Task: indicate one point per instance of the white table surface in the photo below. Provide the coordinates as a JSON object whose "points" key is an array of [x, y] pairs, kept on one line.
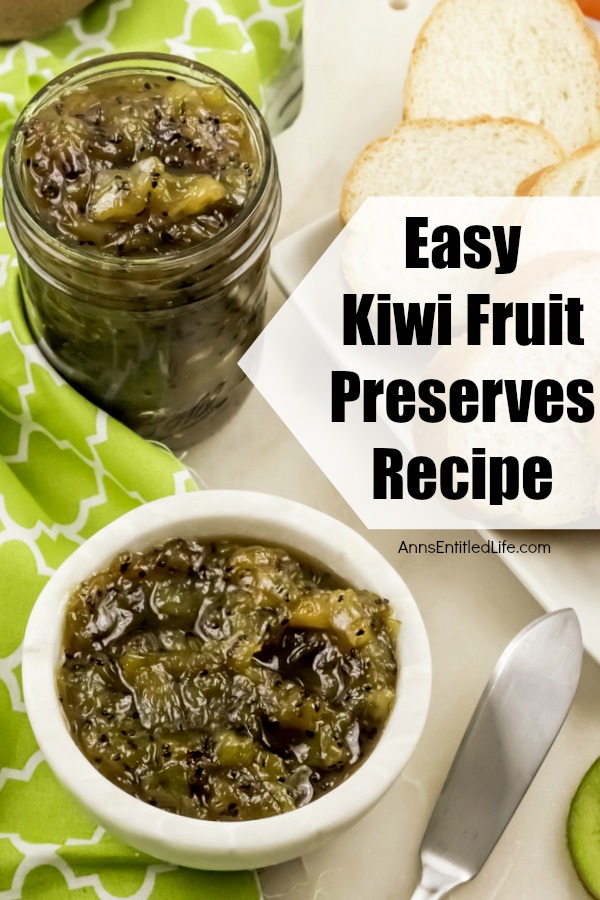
{"points": [[472, 605]]}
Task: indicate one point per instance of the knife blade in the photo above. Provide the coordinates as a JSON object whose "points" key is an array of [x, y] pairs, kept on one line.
{"points": [[512, 729]]}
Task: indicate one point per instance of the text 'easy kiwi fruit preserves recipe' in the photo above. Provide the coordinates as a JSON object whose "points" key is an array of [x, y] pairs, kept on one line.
{"points": [[141, 193]]}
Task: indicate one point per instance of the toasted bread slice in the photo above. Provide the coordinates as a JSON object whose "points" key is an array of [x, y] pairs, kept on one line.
{"points": [[576, 176], [532, 59], [480, 157]]}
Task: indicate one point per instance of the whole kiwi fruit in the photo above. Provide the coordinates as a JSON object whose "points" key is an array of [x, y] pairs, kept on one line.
{"points": [[32, 18]]}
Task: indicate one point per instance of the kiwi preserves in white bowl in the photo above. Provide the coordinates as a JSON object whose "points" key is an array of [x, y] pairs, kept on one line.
{"points": [[249, 519]]}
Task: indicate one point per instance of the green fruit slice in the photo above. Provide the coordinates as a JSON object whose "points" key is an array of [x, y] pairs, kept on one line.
{"points": [[583, 830]]}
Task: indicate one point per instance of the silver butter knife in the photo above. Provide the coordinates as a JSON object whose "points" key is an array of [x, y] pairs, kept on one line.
{"points": [[512, 729]]}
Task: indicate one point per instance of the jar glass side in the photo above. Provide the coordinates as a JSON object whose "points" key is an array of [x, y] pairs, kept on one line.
{"points": [[172, 375]]}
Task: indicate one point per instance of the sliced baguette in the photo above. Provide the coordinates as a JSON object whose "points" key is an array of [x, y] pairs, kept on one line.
{"points": [[576, 176], [531, 59], [480, 157]]}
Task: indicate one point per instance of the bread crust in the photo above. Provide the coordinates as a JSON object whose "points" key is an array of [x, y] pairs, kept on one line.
{"points": [[347, 187], [536, 184], [527, 185]]}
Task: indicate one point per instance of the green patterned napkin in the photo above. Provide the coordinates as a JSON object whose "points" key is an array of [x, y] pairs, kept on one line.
{"points": [[67, 469]]}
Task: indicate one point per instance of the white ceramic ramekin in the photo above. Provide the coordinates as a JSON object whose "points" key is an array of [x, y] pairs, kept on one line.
{"points": [[228, 845]]}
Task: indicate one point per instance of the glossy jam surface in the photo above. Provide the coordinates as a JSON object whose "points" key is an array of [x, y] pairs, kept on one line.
{"points": [[139, 164], [223, 681]]}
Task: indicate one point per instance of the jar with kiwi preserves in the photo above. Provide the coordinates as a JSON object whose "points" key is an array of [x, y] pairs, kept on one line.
{"points": [[141, 193]]}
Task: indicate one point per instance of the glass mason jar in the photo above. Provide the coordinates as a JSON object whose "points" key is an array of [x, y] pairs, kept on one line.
{"points": [[154, 340]]}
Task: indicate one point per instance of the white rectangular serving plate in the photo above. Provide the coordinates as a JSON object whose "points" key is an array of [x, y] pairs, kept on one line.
{"points": [[567, 576]]}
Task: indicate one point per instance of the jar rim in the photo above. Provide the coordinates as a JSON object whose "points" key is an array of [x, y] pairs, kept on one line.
{"points": [[123, 62]]}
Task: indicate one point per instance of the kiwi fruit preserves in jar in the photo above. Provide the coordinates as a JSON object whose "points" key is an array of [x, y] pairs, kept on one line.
{"points": [[141, 193]]}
